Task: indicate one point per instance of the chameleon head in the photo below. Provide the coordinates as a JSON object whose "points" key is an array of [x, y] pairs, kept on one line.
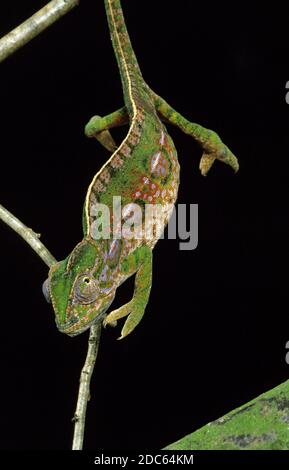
{"points": [[76, 291]]}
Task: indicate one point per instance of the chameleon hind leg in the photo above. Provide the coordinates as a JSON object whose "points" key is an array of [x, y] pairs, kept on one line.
{"points": [[98, 127], [213, 147], [141, 262]]}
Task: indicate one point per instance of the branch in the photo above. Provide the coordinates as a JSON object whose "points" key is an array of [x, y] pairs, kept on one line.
{"points": [[34, 26], [28, 235], [32, 239], [84, 386], [261, 424], [8, 45]]}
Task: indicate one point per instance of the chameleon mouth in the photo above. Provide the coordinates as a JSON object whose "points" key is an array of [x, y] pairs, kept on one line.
{"points": [[76, 326]]}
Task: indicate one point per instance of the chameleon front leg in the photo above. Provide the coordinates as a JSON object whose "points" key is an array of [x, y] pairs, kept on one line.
{"points": [[141, 262], [98, 127], [211, 143]]}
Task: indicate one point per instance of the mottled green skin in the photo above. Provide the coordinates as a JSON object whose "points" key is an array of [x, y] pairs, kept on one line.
{"points": [[142, 169], [261, 424]]}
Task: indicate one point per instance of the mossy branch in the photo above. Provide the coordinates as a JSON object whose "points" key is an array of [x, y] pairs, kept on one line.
{"points": [[261, 424]]}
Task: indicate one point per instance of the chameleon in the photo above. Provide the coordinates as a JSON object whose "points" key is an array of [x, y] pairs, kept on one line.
{"points": [[142, 170]]}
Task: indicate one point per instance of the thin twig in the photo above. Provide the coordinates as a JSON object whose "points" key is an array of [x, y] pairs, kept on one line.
{"points": [[32, 239], [84, 386], [28, 235], [34, 25], [8, 45]]}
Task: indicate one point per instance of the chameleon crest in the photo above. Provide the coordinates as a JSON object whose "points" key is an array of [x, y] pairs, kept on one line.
{"points": [[143, 170]]}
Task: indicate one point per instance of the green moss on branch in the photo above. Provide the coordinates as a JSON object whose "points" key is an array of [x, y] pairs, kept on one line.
{"points": [[261, 424]]}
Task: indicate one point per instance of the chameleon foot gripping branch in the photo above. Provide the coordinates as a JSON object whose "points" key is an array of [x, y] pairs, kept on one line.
{"points": [[142, 170]]}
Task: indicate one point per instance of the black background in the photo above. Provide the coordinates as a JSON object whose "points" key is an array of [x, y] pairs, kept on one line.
{"points": [[214, 333]]}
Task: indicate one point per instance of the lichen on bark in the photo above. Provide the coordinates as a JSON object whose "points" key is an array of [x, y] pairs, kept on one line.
{"points": [[261, 424]]}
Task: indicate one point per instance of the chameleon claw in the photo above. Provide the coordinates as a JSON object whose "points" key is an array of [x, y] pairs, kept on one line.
{"points": [[112, 323], [206, 163], [226, 156], [223, 154], [104, 137], [123, 334], [106, 140]]}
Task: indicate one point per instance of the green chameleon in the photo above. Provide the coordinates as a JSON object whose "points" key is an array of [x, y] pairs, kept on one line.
{"points": [[142, 170]]}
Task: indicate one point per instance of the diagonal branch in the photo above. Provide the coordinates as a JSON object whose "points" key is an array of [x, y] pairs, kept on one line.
{"points": [[8, 45], [28, 235], [32, 239], [34, 25]]}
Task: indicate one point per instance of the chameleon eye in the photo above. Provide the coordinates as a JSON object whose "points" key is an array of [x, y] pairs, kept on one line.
{"points": [[86, 289], [46, 290]]}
